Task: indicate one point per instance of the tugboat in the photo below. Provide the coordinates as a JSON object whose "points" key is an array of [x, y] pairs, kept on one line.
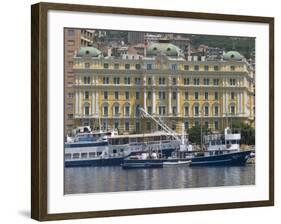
{"points": [[221, 150]]}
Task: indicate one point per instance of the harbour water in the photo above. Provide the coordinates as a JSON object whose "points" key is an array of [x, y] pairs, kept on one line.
{"points": [[115, 179]]}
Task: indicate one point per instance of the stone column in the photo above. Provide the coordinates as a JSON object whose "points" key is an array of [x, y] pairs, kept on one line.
{"points": [[153, 101], [76, 102], [144, 99], [178, 102], [80, 109], [226, 103], [97, 103], [93, 103], [170, 102]]}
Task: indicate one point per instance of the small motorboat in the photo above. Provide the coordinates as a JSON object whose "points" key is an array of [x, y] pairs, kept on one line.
{"points": [[176, 163]]}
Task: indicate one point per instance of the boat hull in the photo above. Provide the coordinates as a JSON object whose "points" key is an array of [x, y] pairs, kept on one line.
{"points": [[94, 162], [229, 159], [146, 165]]}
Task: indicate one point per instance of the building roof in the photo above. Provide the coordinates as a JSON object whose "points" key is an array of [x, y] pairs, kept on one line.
{"points": [[163, 48], [88, 51], [233, 55]]}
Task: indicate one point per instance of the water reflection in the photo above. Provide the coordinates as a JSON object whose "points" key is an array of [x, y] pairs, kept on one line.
{"points": [[112, 179]]}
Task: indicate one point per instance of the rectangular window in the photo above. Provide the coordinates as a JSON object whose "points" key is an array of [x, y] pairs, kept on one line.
{"points": [[148, 95], [137, 126], [232, 68], [105, 80], [116, 66], [149, 81], [174, 66], [138, 66], [127, 111], [196, 81], [206, 95], [116, 80], [86, 95], [137, 95], [216, 111], [216, 125], [186, 81], [127, 126], [216, 67], [186, 67], [216, 96], [161, 81], [105, 66], [174, 110], [232, 96], [196, 67], [116, 110], [206, 124], [127, 95], [206, 81], [232, 110], [149, 66], [116, 95], [196, 96], [162, 110], [105, 111], [206, 68], [116, 124], [174, 81], [174, 95], [149, 109], [232, 82], [186, 95], [127, 80], [105, 95], [186, 110], [87, 65], [216, 82], [196, 110], [161, 95], [186, 125], [137, 81], [127, 66], [206, 111]]}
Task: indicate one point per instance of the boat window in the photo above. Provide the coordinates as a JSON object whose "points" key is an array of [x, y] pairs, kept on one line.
{"points": [[84, 155], [92, 154], [114, 151], [121, 150], [67, 156], [99, 153], [75, 155]]}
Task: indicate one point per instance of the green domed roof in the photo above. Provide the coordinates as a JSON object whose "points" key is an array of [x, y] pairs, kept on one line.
{"points": [[88, 51], [163, 48], [233, 55]]}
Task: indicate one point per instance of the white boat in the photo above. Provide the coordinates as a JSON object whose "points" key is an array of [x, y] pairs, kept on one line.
{"points": [[176, 163]]}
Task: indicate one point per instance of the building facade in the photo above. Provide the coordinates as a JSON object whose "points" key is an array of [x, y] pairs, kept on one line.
{"points": [[73, 39], [108, 91]]}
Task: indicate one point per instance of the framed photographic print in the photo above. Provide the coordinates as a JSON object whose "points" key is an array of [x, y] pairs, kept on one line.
{"points": [[140, 111]]}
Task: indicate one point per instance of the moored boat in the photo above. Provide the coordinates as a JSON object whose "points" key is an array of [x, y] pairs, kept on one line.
{"points": [[221, 150], [176, 163]]}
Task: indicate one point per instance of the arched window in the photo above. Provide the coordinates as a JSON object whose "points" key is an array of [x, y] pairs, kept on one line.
{"points": [[86, 109]]}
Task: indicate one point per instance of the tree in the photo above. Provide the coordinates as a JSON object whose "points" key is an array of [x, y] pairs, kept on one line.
{"points": [[247, 132], [194, 134]]}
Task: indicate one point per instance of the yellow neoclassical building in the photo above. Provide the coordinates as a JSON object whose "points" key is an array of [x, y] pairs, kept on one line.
{"points": [[109, 90]]}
